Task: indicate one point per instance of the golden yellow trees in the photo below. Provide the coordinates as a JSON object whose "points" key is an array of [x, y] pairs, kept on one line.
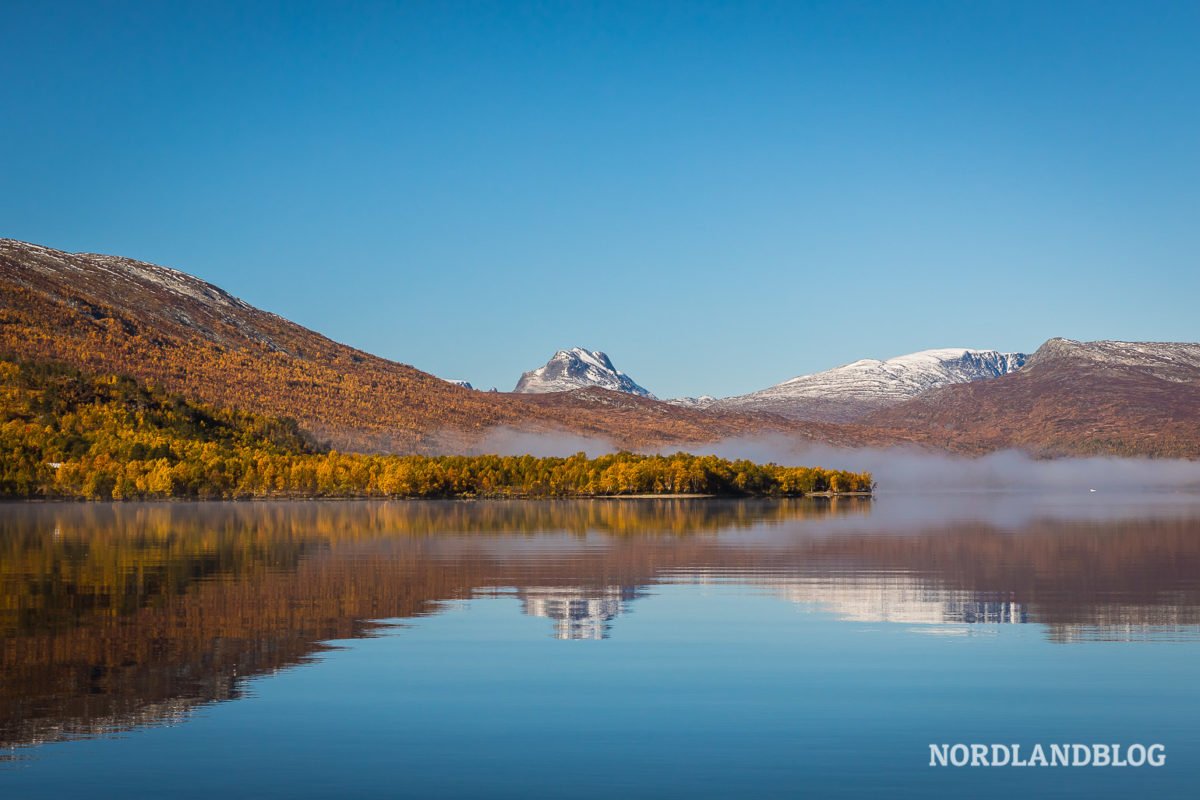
{"points": [[63, 434]]}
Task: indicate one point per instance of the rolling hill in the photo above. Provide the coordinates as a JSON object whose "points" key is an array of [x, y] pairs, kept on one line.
{"points": [[107, 314]]}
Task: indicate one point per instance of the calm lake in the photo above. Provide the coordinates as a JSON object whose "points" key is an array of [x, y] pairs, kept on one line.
{"points": [[604, 648]]}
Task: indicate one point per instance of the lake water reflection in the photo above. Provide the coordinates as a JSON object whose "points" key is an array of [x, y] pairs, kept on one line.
{"points": [[652, 648]]}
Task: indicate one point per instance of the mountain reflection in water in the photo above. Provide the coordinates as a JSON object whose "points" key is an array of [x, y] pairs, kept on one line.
{"points": [[119, 616]]}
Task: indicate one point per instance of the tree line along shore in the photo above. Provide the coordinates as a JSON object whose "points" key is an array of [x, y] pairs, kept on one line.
{"points": [[65, 434]]}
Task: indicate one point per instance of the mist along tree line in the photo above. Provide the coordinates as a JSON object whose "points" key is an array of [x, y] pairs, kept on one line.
{"points": [[66, 434]]}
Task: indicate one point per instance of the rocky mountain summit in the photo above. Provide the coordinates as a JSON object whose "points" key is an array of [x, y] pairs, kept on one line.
{"points": [[578, 368], [1171, 361]]}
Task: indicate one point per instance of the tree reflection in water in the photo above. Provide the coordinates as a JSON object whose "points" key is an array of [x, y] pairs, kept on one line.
{"points": [[118, 616]]}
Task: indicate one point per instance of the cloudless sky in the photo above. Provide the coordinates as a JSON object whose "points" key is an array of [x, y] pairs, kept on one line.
{"points": [[719, 195]]}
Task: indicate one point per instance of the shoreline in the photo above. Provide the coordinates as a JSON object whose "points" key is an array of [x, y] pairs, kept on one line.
{"points": [[376, 498]]}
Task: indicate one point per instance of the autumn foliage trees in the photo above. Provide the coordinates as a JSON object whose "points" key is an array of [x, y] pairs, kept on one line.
{"points": [[65, 434]]}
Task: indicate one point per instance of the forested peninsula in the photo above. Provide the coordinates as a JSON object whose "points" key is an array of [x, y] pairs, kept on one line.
{"points": [[65, 434]]}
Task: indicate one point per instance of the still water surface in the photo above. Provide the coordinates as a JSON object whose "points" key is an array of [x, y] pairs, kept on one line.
{"points": [[563, 649]]}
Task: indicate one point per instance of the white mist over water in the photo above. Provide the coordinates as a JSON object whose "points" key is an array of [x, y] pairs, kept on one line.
{"points": [[913, 469]]}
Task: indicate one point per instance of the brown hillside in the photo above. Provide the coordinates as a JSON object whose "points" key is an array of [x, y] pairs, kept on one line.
{"points": [[111, 314]]}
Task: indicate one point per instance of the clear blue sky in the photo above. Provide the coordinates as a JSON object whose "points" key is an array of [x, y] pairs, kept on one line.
{"points": [[719, 195]]}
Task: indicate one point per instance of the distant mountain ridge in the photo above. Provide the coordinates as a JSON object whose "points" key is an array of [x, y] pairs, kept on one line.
{"points": [[842, 394], [577, 368], [1072, 398], [851, 391]]}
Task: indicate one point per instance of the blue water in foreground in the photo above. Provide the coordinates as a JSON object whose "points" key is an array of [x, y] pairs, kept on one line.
{"points": [[657, 649]]}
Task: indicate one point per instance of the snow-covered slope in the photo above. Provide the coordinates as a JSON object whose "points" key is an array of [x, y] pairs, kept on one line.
{"points": [[703, 401], [848, 392], [578, 368]]}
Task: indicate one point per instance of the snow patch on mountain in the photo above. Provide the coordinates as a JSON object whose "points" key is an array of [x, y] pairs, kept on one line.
{"points": [[703, 401], [171, 280], [578, 368]]}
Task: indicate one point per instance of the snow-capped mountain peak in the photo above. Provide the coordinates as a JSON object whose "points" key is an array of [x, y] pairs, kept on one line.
{"points": [[919, 371], [578, 368], [849, 391]]}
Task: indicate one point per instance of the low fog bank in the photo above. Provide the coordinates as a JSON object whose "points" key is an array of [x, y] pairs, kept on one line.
{"points": [[890, 513], [511, 442], [901, 469], [910, 469]]}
